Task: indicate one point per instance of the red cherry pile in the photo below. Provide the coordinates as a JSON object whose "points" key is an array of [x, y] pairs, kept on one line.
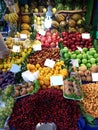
{"points": [[45, 106]]}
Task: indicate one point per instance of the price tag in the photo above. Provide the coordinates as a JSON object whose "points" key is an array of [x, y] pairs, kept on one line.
{"points": [[29, 76], [2, 104], [16, 48], [16, 39], [23, 36], [95, 77], [56, 80], [86, 35], [37, 47], [80, 49], [15, 68], [42, 32], [49, 63], [75, 62]]}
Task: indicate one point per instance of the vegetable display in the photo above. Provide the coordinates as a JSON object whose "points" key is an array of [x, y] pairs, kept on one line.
{"points": [[45, 106]]}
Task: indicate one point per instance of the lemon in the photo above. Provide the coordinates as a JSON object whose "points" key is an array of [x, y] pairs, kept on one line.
{"points": [[54, 10], [36, 10], [44, 10]]}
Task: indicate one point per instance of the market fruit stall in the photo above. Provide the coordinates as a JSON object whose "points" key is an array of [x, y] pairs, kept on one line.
{"points": [[50, 72]]}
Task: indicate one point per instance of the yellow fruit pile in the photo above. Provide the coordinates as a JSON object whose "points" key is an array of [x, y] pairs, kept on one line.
{"points": [[45, 73], [11, 17], [14, 58]]}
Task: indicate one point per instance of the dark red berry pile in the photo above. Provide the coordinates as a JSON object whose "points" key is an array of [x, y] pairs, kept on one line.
{"points": [[45, 106]]}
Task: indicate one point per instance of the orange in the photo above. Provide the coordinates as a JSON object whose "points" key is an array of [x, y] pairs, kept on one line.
{"points": [[37, 65], [41, 82]]}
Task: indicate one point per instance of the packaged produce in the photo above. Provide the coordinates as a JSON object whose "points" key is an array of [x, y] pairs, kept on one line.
{"points": [[25, 89], [72, 87]]}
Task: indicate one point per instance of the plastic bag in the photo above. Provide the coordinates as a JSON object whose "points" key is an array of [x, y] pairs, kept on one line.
{"points": [[4, 51]]}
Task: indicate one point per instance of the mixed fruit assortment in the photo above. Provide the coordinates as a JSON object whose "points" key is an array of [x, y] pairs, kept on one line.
{"points": [[61, 44]]}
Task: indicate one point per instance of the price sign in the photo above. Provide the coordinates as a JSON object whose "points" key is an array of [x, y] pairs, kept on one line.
{"points": [[86, 35], [94, 77], [23, 36], [37, 47], [49, 63], [16, 48], [42, 32], [29, 76], [56, 80], [75, 62], [80, 49], [15, 68]]}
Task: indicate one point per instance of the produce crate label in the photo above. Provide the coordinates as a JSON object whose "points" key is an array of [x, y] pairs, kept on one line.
{"points": [[23, 36], [28, 76], [37, 47], [86, 35], [15, 68], [49, 63], [95, 77], [16, 48], [80, 49], [42, 32], [75, 62], [56, 80]]}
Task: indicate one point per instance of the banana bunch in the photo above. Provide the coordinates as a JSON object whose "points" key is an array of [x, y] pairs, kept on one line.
{"points": [[11, 17]]}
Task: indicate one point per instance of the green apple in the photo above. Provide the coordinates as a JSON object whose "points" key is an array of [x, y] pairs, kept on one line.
{"points": [[84, 56], [66, 55], [82, 65], [84, 61], [79, 61], [95, 55], [79, 56], [85, 49], [65, 50], [73, 56], [89, 57], [88, 65], [92, 49], [92, 52], [92, 60], [96, 60], [77, 52]]}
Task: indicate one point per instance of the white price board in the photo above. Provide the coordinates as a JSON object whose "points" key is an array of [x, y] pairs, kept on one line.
{"points": [[94, 77], [29, 76], [37, 47], [86, 35], [80, 49], [23, 36], [75, 62], [49, 63], [56, 80], [15, 68], [16, 48]]}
